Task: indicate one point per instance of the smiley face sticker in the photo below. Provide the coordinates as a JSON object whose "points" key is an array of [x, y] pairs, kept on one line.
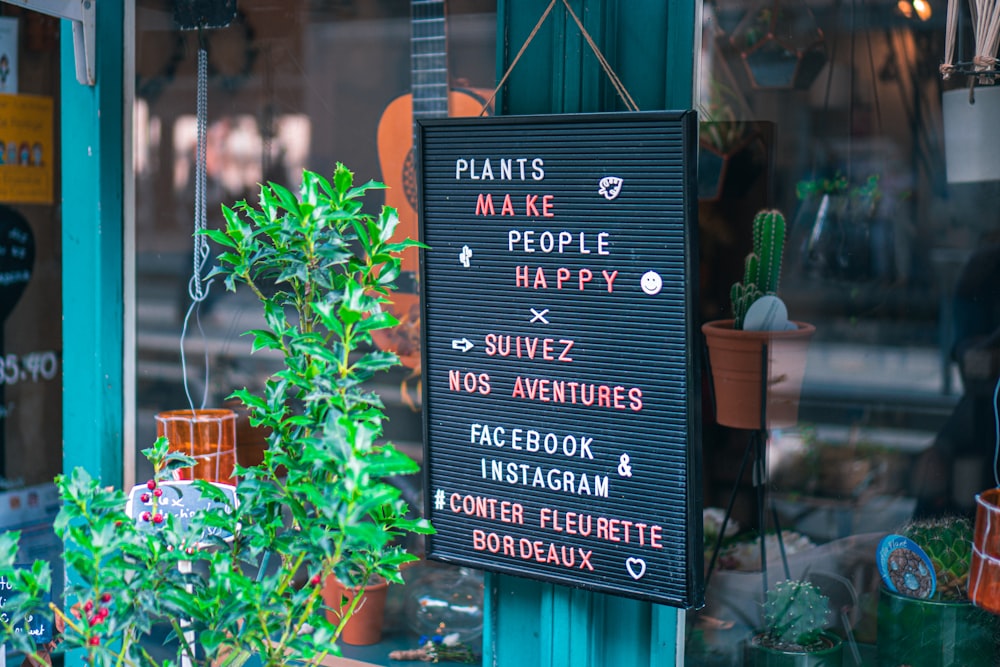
{"points": [[651, 283]]}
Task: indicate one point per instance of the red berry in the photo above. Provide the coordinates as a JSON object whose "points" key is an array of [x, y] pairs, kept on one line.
{"points": [[145, 516], [157, 492], [88, 605], [102, 613], [144, 497], [94, 641], [157, 518], [106, 598], [94, 620], [151, 484], [317, 580]]}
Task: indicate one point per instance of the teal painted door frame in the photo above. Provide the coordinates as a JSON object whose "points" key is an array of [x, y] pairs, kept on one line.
{"points": [[651, 45], [92, 238], [92, 232]]}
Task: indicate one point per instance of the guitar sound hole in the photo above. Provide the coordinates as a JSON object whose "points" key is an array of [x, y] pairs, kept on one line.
{"points": [[410, 180]]}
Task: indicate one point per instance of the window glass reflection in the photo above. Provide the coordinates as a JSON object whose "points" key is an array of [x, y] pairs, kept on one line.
{"points": [[291, 85]]}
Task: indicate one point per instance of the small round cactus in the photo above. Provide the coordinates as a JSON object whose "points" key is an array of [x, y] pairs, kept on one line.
{"points": [[795, 614], [947, 541]]}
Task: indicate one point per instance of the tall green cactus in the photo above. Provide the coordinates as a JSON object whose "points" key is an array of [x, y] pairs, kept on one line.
{"points": [[762, 268]]}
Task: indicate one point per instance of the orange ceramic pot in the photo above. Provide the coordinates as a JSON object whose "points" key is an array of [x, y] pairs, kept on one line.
{"points": [[365, 626], [737, 361], [207, 435]]}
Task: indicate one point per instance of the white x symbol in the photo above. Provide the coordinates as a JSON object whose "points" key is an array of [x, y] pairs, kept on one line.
{"points": [[539, 315]]}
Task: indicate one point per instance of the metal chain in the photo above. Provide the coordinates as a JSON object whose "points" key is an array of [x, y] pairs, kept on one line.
{"points": [[197, 288]]}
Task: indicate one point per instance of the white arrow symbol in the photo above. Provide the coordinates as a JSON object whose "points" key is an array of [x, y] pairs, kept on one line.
{"points": [[463, 344]]}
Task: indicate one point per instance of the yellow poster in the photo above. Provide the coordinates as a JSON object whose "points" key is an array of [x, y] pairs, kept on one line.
{"points": [[26, 149]]}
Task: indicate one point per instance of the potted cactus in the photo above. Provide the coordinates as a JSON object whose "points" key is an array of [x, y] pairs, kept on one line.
{"points": [[796, 615], [758, 337], [925, 618]]}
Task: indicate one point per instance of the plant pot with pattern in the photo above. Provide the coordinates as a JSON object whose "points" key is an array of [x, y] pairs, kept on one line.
{"points": [[758, 355], [925, 617]]}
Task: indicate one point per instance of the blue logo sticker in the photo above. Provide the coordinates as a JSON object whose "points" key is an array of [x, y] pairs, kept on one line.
{"points": [[905, 568]]}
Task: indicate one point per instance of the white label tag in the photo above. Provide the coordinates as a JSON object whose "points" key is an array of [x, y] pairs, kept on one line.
{"points": [[767, 313]]}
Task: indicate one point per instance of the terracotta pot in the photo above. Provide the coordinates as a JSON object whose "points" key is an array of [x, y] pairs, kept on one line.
{"points": [[736, 359], [404, 338], [365, 626], [251, 441]]}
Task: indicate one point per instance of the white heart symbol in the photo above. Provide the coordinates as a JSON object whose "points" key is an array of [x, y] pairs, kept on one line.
{"points": [[636, 567]]}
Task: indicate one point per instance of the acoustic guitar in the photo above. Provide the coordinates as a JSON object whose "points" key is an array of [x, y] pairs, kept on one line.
{"points": [[431, 96]]}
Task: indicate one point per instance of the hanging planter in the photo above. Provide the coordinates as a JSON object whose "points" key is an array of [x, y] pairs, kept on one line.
{"points": [[207, 435], [838, 233], [724, 164], [781, 46], [971, 142], [727, 142]]}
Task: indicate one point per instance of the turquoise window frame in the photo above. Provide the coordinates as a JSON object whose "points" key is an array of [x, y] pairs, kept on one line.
{"points": [[92, 182], [92, 135]]}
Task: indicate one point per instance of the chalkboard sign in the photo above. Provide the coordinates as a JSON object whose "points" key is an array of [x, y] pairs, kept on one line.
{"points": [[561, 386], [183, 500], [39, 625]]}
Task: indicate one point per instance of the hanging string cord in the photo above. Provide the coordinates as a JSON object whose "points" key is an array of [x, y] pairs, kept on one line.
{"points": [[615, 81], [986, 32], [987, 35], [951, 29], [524, 47], [197, 287], [874, 77]]}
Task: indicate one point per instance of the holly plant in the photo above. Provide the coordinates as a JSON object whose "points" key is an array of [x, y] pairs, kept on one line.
{"points": [[248, 580]]}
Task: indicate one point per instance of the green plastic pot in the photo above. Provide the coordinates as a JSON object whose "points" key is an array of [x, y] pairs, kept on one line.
{"points": [[760, 655], [935, 633]]}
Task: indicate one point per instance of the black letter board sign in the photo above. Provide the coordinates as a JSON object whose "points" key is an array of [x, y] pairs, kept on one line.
{"points": [[561, 392]]}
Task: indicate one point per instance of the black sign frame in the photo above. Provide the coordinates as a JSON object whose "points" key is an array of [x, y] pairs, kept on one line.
{"points": [[535, 464]]}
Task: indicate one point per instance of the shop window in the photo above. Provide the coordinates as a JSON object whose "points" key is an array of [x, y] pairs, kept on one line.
{"points": [[31, 361], [896, 266], [291, 85]]}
